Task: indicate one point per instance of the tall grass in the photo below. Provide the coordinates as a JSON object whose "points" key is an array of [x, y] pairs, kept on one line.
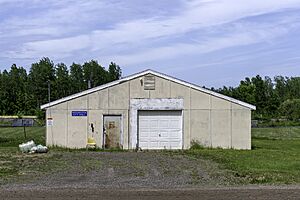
{"points": [[274, 158], [13, 136]]}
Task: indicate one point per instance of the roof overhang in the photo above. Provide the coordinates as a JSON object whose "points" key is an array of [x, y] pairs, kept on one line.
{"points": [[101, 87]]}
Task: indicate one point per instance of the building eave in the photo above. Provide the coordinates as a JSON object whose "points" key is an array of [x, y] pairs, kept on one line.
{"points": [[128, 78]]}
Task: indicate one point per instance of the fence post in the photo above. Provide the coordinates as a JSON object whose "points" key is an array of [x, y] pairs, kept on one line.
{"points": [[24, 129]]}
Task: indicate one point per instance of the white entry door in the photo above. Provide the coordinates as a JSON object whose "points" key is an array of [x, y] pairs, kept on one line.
{"points": [[160, 129]]}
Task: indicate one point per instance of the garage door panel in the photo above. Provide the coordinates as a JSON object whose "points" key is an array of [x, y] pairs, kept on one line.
{"points": [[144, 133], [175, 124], [153, 144], [164, 145], [164, 134], [174, 134], [175, 144], [153, 123], [164, 123], [143, 124], [153, 134], [144, 143], [160, 129]]}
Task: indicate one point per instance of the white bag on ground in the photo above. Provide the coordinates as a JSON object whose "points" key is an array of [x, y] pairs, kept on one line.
{"points": [[41, 149], [26, 147], [32, 148]]}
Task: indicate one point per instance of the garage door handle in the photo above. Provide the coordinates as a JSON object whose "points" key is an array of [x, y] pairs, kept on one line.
{"points": [[159, 135]]}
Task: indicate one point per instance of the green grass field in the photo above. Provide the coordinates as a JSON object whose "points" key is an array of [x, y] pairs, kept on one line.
{"points": [[274, 158], [13, 162], [280, 133], [13, 136]]}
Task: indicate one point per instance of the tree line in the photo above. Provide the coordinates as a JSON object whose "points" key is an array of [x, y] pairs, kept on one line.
{"points": [[23, 93], [274, 98]]}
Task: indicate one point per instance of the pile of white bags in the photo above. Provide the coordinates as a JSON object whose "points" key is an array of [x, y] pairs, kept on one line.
{"points": [[26, 147], [32, 148], [39, 149]]}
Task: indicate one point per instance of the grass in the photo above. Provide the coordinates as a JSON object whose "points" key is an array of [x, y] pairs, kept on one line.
{"points": [[270, 123], [14, 163], [280, 133], [13, 136], [274, 158]]}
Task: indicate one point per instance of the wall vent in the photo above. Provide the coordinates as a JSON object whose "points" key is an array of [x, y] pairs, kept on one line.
{"points": [[149, 82]]}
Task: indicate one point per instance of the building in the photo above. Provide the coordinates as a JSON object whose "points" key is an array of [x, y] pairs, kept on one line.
{"points": [[149, 110]]}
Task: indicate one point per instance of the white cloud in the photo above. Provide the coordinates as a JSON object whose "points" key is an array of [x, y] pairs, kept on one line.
{"points": [[241, 35], [62, 17], [53, 48], [195, 17]]}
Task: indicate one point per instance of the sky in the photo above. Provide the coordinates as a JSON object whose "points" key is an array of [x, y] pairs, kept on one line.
{"points": [[206, 42]]}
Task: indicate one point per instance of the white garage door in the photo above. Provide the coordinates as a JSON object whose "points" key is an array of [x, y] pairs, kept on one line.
{"points": [[160, 129]]}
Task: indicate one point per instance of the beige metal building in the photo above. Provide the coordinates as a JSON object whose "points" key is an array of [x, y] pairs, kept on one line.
{"points": [[149, 110]]}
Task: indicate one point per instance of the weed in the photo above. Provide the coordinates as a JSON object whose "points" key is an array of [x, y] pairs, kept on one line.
{"points": [[196, 145]]}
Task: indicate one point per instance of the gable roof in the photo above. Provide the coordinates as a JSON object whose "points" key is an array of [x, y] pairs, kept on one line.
{"points": [[127, 78]]}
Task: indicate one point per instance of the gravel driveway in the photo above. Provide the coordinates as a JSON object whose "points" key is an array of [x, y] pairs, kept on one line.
{"points": [[256, 193], [110, 170], [131, 175]]}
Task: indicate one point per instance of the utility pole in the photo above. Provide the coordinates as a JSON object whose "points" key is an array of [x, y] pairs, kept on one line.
{"points": [[90, 81], [49, 99], [48, 90], [89, 84]]}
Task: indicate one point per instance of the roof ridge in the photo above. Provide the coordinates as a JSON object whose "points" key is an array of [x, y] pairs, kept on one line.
{"points": [[130, 77]]}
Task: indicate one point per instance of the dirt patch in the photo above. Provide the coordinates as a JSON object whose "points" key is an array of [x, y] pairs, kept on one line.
{"points": [[110, 170]]}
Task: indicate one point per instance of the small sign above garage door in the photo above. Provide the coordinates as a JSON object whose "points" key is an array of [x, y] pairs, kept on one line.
{"points": [[160, 129]]}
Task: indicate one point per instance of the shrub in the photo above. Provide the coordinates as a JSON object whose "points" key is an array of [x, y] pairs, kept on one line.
{"points": [[196, 145], [290, 109]]}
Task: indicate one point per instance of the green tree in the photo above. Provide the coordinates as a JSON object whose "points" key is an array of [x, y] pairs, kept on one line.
{"points": [[39, 75], [24, 94], [5, 95], [114, 72], [94, 73], [290, 109], [12, 90], [273, 101], [280, 89], [62, 81], [246, 91], [17, 86], [293, 86], [261, 94], [76, 78], [228, 91]]}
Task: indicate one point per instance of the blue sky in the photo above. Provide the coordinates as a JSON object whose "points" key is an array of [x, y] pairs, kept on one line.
{"points": [[206, 42]]}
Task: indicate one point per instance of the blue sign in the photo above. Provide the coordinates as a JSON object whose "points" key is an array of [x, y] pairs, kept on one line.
{"points": [[79, 113]]}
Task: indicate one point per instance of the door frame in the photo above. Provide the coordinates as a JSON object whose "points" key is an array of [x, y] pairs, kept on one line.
{"points": [[151, 104], [121, 129]]}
